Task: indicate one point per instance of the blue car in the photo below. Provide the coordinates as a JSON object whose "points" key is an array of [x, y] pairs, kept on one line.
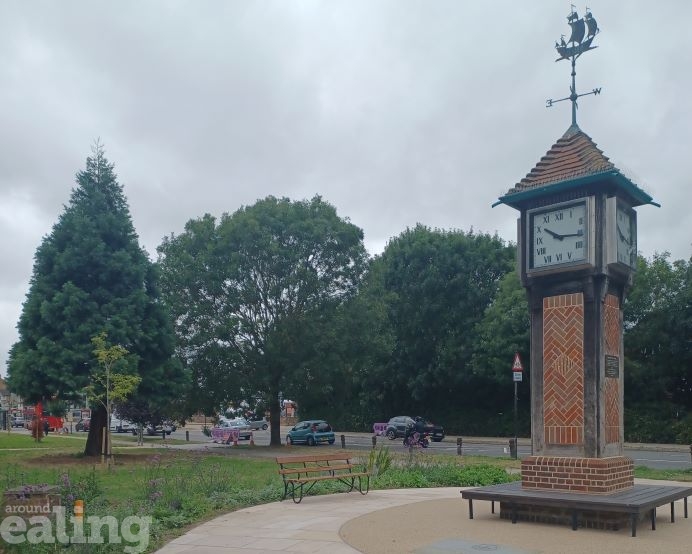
{"points": [[311, 432]]}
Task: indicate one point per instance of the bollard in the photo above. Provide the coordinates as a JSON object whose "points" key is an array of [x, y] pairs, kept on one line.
{"points": [[343, 441], [513, 448], [163, 435], [187, 435], [690, 451], [252, 439], [374, 441], [459, 443]]}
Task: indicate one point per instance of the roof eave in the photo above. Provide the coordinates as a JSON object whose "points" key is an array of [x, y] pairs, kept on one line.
{"points": [[638, 196]]}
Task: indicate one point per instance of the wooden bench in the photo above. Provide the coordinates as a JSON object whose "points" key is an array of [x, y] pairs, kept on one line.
{"points": [[301, 473], [632, 502]]}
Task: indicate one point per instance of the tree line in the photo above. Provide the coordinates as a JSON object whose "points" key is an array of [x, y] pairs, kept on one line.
{"points": [[281, 299]]}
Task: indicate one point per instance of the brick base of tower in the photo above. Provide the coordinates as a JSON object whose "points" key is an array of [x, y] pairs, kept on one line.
{"points": [[579, 475]]}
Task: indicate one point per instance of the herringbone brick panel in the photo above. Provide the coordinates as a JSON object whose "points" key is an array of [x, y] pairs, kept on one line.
{"points": [[611, 316], [563, 369]]}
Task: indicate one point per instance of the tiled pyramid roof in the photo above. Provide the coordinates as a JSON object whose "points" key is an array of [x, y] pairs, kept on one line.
{"points": [[574, 155]]}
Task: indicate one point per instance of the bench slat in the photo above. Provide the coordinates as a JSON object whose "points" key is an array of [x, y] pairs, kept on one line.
{"points": [[313, 469], [327, 477], [312, 458]]}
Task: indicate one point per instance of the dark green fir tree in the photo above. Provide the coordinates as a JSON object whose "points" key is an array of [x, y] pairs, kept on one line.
{"points": [[90, 275]]}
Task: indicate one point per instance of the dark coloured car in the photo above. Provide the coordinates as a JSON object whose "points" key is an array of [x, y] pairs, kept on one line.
{"points": [[396, 428], [311, 432], [82, 425]]}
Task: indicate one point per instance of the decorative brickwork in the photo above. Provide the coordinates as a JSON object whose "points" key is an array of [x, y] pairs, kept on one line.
{"points": [[611, 316], [563, 373], [585, 475]]}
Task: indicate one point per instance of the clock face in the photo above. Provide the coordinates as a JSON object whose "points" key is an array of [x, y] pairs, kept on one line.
{"points": [[558, 235], [626, 236]]}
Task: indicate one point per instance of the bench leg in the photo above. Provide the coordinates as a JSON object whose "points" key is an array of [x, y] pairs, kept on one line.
{"points": [[492, 506], [633, 520], [294, 493], [514, 514], [574, 520], [470, 508], [653, 519], [367, 485], [685, 507], [672, 512]]}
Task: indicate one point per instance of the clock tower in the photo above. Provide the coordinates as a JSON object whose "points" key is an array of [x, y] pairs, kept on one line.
{"points": [[577, 246]]}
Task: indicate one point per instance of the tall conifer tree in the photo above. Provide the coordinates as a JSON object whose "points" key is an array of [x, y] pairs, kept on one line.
{"points": [[90, 275]]}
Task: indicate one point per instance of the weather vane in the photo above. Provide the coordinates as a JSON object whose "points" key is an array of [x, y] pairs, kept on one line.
{"points": [[583, 32]]}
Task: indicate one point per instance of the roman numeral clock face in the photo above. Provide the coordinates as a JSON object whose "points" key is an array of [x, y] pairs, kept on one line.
{"points": [[626, 236], [558, 235]]}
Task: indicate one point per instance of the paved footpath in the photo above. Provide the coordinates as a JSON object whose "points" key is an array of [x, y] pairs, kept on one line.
{"points": [[420, 521]]}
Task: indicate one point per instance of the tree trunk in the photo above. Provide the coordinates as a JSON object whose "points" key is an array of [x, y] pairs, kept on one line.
{"points": [[96, 426], [275, 419]]}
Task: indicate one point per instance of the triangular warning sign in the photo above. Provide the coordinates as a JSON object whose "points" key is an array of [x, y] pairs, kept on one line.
{"points": [[516, 366]]}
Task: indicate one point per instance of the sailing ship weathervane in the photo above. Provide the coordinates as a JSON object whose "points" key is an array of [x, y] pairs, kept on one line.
{"points": [[583, 32]]}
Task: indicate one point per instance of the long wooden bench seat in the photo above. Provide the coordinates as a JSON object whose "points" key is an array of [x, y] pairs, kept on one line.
{"points": [[301, 473], [633, 502]]}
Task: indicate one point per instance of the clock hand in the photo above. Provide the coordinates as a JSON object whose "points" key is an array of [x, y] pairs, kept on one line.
{"points": [[577, 234], [555, 235]]}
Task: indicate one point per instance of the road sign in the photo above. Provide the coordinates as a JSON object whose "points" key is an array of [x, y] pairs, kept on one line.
{"points": [[516, 366], [516, 376]]}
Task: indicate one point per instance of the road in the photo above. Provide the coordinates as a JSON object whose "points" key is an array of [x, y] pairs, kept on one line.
{"points": [[653, 456]]}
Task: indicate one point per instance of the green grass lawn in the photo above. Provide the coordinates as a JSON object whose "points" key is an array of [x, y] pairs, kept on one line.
{"points": [[180, 489]]}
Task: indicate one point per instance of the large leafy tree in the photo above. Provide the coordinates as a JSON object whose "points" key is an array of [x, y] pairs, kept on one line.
{"points": [[254, 297], [658, 350], [436, 286], [504, 330], [91, 276]]}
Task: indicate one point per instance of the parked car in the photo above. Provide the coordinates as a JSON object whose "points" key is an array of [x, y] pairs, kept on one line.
{"points": [[225, 425], [258, 424], [311, 432], [167, 426], [82, 425], [244, 429], [18, 421], [121, 425], [396, 428]]}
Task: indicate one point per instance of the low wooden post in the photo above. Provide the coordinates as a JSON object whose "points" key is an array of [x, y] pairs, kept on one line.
{"points": [[459, 443], [343, 441], [374, 441], [513, 450], [103, 444], [187, 435]]}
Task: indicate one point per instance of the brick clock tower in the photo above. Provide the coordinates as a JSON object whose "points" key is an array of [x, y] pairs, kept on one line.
{"points": [[577, 246], [577, 242]]}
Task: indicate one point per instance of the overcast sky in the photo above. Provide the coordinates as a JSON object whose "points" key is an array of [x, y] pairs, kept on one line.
{"points": [[396, 112]]}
